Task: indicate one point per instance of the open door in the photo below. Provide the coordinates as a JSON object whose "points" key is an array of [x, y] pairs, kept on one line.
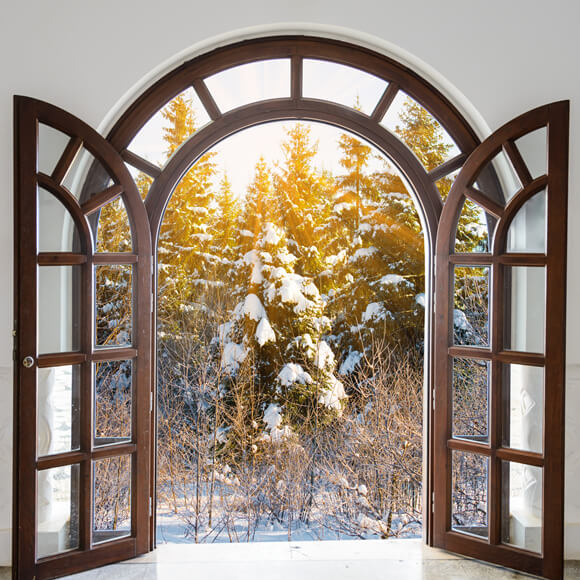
{"points": [[500, 352], [82, 350]]}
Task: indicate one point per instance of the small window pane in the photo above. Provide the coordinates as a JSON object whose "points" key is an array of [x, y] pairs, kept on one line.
{"points": [[112, 498], [59, 308], [470, 399], [522, 501], [498, 173], [114, 295], [470, 315], [472, 229], [58, 406], [57, 231], [248, 83], [51, 145], [469, 493], [57, 516], [76, 178], [114, 229], [523, 394], [527, 232], [533, 148], [113, 402], [526, 298], [341, 84]]}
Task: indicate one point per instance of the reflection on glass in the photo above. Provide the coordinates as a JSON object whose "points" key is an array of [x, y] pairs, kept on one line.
{"points": [[498, 173], [51, 145], [112, 498], [470, 315], [151, 142], [58, 400], [469, 493], [114, 229], [86, 176], [533, 148], [57, 515], [525, 288], [58, 309], [472, 229], [113, 305], [248, 83], [57, 231], [523, 394], [112, 402], [527, 232], [521, 523], [404, 116], [470, 399], [341, 84]]}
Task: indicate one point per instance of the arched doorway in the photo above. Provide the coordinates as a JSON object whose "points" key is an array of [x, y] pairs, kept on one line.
{"points": [[300, 53]]}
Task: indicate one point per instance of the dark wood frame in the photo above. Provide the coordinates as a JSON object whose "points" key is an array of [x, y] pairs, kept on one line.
{"points": [[192, 74]]}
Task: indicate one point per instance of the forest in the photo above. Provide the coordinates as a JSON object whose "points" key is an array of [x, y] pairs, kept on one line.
{"points": [[290, 343]]}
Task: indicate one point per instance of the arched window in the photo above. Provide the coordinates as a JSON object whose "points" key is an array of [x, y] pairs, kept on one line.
{"points": [[518, 272]]}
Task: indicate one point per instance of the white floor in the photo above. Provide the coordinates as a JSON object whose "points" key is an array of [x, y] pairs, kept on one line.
{"points": [[346, 560]]}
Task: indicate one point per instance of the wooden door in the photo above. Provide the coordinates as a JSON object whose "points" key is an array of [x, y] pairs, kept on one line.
{"points": [[82, 349], [500, 351]]}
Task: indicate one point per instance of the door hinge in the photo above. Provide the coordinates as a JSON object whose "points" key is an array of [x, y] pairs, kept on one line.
{"points": [[433, 398], [432, 502], [150, 506], [151, 402]]}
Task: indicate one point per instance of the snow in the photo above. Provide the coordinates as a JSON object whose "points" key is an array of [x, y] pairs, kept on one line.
{"points": [[272, 234], [273, 420], [333, 394], [376, 311], [232, 356], [363, 254], [265, 332], [293, 373], [291, 292], [393, 279], [253, 308], [420, 299], [324, 356], [344, 206], [362, 489], [350, 362], [460, 320]]}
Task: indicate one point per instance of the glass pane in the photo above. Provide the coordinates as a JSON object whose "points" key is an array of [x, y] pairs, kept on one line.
{"points": [[51, 145], [114, 230], [341, 84], [523, 395], [76, 178], [498, 173], [533, 147], [112, 498], [248, 83], [521, 524], [113, 296], [57, 231], [469, 493], [151, 144], [58, 308], [472, 229], [470, 316], [420, 131], [113, 402], [470, 399], [526, 298], [527, 232], [58, 406], [57, 517]]}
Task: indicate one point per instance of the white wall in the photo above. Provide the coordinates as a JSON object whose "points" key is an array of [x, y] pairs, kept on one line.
{"points": [[505, 57]]}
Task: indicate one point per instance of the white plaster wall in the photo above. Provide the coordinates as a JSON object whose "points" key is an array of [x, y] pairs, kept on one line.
{"points": [[504, 57]]}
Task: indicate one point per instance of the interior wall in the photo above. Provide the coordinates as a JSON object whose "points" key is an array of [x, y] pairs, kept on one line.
{"points": [[499, 59]]}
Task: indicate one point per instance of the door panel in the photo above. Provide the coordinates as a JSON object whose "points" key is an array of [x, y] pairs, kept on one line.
{"points": [[82, 351], [499, 352]]}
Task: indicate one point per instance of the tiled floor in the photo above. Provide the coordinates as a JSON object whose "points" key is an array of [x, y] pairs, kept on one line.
{"points": [[352, 560]]}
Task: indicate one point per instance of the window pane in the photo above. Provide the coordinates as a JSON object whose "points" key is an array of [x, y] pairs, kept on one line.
{"points": [[533, 149], [113, 402], [112, 498], [527, 232], [470, 316], [526, 296], [248, 83], [113, 294], [472, 229], [57, 231], [501, 172], [469, 493], [58, 308], [341, 84], [470, 399], [523, 394], [57, 409], [57, 501], [522, 506], [51, 145], [114, 229], [76, 178]]}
